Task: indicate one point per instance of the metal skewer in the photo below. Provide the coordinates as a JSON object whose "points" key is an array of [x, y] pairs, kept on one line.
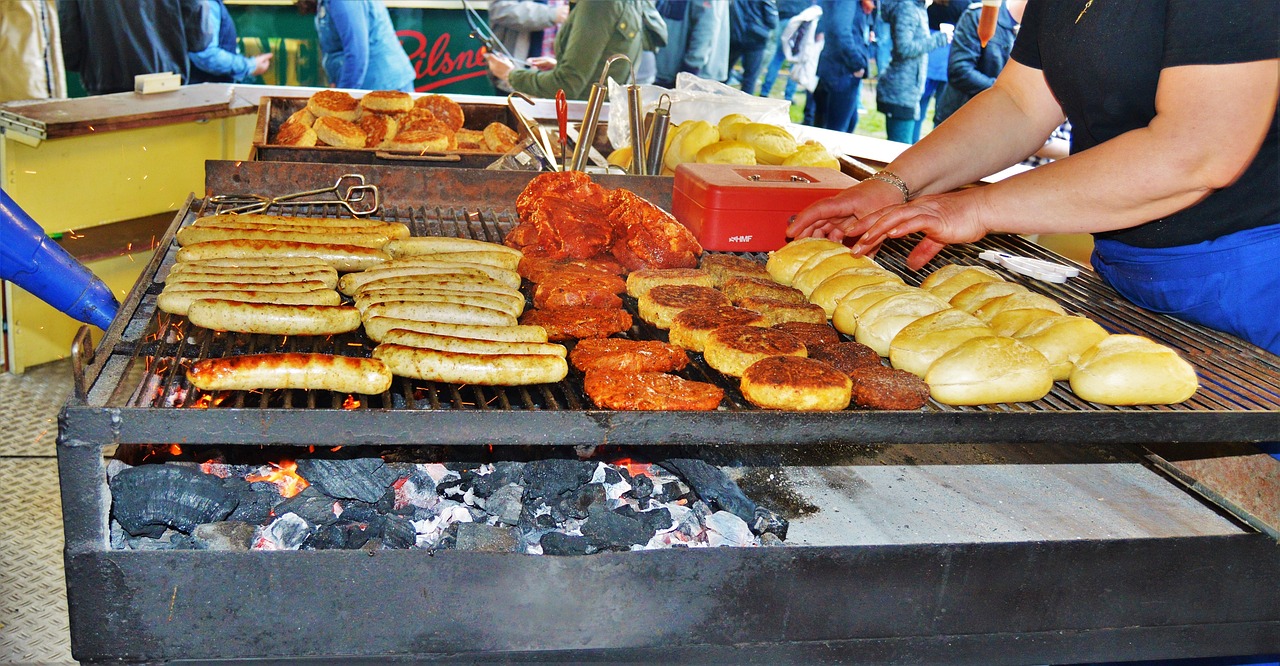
{"points": [[591, 117]]}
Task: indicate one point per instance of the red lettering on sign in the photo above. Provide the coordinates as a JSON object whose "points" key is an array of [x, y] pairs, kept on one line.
{"points": [[437, 61]]}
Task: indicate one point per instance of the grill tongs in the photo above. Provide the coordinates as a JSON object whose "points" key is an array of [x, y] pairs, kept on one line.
{"points": [[360, 199]]}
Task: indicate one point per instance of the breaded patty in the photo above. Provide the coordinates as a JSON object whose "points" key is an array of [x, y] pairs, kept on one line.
{"points": [[578, 322], [878, 387], [730, 349], [722, 267], [689, 329], [640, 282], [662, 303], [650, 390], [845, 356], [777, 312], [622, 355], [809, 333], [795, 383], [739, 288]]}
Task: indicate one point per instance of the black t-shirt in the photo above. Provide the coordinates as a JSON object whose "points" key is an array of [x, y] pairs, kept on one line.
{"points": [[1103, 66]]}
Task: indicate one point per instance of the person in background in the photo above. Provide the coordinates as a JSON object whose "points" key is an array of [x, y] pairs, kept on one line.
{"points": [[594, 31], [32, 50], [221, 62], [972, 68], [899, 87], [787, 9], [1177, 175], [1056, 147], [841, 66], [750, 24], [521, 25], [881, 38], [359, 48], [697, 40], [943, 15], [109, 43]]}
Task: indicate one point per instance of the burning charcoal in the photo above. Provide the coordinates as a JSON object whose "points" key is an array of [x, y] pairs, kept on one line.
{"points": [[559, 543], [612, 476], [579, 503], [326, 537], [641, 487], [607, 530], [359, 512], [115, 466], [226, 535], [487, 538], [391, 501], [505, 505], [148, 498], [257, 505], [398, 533], [503, 474], [657, 520], [670, 492], [310, 504], [365, 479], [712, 486], [544, 521], [726, 529], [553, 477], [768, 522], [284, 533], [453, 488]]}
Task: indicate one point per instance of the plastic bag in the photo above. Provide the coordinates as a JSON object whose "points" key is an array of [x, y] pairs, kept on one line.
{"points": [[693, 99]]}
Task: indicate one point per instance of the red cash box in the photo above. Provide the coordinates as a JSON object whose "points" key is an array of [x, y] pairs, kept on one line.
{"points": [[737, 208]]}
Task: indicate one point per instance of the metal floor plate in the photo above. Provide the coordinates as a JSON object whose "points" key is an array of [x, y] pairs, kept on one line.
{"points": [[33, 593]]}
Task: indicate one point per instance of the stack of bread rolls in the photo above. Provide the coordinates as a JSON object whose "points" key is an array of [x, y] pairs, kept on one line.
{"points": [[735, 139]]}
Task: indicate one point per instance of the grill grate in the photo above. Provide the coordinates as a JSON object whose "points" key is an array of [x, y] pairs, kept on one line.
{"points": [[1236, 378]]}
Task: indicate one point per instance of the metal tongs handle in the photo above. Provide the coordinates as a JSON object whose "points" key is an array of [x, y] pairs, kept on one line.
{"points": [[533, 129], [591, 117], [656, 142], [355, 193]]}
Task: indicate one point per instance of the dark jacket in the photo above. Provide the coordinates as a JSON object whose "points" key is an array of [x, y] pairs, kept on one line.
{"points": [[843, 51], [971, 68], [789, 8], [902, 83], [110, 42], [751, 22]]}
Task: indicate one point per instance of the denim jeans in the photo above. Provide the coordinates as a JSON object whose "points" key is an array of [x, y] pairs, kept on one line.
{"points": [[932, 90], [771, 72], [752, 58], [836, 103], [899, 129]]}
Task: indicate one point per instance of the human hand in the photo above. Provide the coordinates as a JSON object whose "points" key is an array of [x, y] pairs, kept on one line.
{"points": [[499, 66], [944, 219], [827, 217], [542, 63], [261, 63], [562, 14]]}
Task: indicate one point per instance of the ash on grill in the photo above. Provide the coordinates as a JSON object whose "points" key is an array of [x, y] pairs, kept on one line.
{"points": [[555, 506]]}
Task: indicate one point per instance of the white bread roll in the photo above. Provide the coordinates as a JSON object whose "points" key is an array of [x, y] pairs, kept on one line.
{"points": [[772, 143], [921, 342], [786, 260], [957, 281], [812, 273], [1011, 321], [851, 307], [812, 154], [988, 370], [687, 139], [1016, 301], [1132, 370], [1062, 339], [731, 124], [727, 152], [879, 323], [835, 288], [972, 297]]}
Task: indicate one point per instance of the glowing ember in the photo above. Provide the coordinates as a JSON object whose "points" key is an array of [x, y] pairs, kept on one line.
{"points": [[175, 450], [215, 468], [635, 468], [351, 403], [284, 475]]}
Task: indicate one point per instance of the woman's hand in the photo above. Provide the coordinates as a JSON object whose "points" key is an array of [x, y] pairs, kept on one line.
{"points": [[499, 66], [542, 63], [828, 217], [955, 217]]}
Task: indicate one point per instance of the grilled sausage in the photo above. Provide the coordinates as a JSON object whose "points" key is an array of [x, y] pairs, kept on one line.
{"points": [[273, 318], [306, 225], [344, 258], [283, 286], [352, 282], [193, 235], [363, 301], [425, 245], [378, 327], [225, 219], [250, 262], [450, 313], [189, 273], [417, 267], [410, 338], [324, 372], [463, 368], [497, 259], [477, 283], [179, 302], [502, 294]]}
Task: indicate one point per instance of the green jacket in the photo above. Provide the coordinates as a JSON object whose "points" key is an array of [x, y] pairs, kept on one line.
{"points": [[595, 30]]}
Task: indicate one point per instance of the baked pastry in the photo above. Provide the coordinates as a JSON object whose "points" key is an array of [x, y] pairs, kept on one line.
{"points": [[333, 103], [822, 266], [722, 267], [444, 109], [1012, 321], [727, 152], [854, 303], [845, 356], [950, 280], [989, 369], [610, 389], [786, 260], [1133, 370], [921, 342], [419, 141], [640, 282], [302, 115], [738, 288], [499, 138], [878, 387], [776, 311], [662, 303], [731, 349], [879, 323], [469, 139], [809, 333], [730, 124], [623, 355], [1062, 339], [833, 289], [812, 154], [972, 297], [689, 329], [378, 129], [578, 322], [1023, 300], [795, 383], [771, 143], [386, 101], [338, 133], [687, 139], [296, 134]]}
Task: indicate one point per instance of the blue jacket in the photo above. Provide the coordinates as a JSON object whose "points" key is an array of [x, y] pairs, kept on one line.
{"points": [[697, 40], [843, 51], [751, 22], [360, 48], [971, 68], [221, 62], [902, 83]]}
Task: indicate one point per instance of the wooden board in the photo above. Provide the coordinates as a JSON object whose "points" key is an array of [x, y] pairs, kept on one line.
{"points": [[84, 115]]}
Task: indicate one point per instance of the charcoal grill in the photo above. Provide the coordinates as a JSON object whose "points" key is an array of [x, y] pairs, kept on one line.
{"points": [[1088, 599]]}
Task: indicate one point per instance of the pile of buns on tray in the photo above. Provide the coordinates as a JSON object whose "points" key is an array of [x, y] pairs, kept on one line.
{"points": [[389, 120], [734, 140]]}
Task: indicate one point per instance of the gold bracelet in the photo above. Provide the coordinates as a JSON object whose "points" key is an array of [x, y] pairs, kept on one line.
{"points": [[894, 180]]}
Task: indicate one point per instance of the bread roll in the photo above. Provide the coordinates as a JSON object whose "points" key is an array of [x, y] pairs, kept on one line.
{"points": [[687, 139], [833, 289], [811, 262], [989, 370], [972, 297], [814, 155], [1011, 321], [812, 273], [727, 152], [955, 281], [921, 342], [786, 260], [879, 323], [771, 143], [845, 317], [730, 125], [1062, 339], [1133, 370], [1017, 301]]}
